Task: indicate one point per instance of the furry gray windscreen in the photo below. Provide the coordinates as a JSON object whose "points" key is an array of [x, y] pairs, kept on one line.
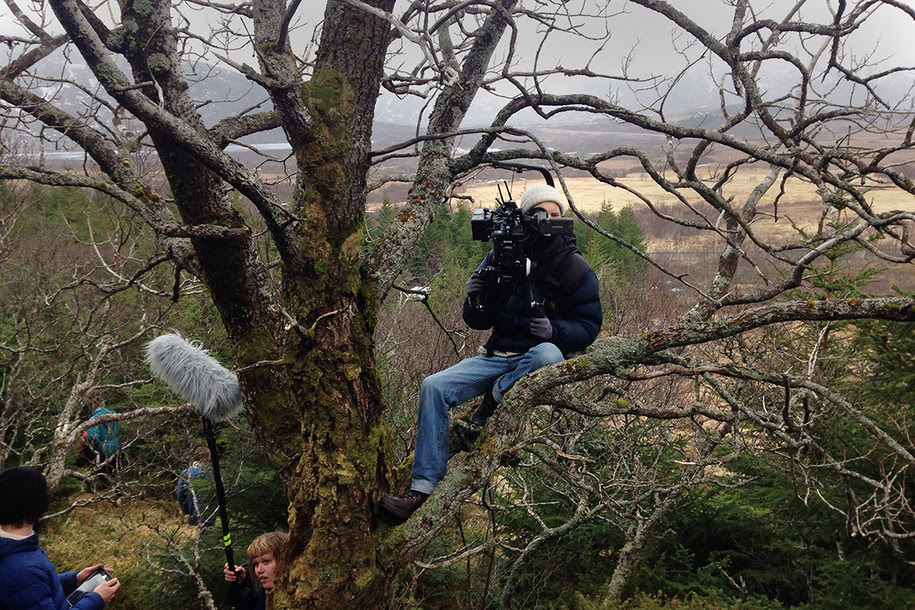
{"points": [[191, 373]]}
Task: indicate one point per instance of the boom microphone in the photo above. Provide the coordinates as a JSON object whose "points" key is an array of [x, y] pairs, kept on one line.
{"points": [[191, 373]]}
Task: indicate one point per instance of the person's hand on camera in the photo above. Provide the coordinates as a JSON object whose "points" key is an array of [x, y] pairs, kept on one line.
{"points": [[238, 574], [541, 328], [475, 284], [107, 589]]}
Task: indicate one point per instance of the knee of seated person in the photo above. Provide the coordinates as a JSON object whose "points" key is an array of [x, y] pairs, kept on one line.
{"points": [[546, 354], [431, 388], [431, 383]]}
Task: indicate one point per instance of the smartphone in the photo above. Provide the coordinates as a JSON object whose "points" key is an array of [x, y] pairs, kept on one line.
{"points": [[94, 579]]}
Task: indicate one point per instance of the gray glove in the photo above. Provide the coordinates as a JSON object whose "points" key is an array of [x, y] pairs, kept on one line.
{"points": [[475, 284], [541, 328]]}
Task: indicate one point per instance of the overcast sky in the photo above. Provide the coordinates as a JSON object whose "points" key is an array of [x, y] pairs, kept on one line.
{"points": [[891, 31]]}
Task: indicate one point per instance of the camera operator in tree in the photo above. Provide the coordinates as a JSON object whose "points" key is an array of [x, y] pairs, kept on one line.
{"points": [[539, 297]]}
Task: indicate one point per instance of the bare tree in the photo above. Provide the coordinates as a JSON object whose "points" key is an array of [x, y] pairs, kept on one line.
{"points": [[66, 351], [301, 312]]}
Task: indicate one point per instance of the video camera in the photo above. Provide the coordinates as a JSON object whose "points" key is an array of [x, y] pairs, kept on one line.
{"points": [[512, 232]]}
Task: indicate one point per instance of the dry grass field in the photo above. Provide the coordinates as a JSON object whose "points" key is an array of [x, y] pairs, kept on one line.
{"points": [[799, 206], [118, 536]]}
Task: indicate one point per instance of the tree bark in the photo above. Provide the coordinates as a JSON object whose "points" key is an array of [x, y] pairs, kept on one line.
{"points": [[304, 351], [334, 457]]}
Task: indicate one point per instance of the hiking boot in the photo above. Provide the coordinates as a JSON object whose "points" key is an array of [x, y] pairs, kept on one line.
{"points": [[401, 507], [484, 411]]}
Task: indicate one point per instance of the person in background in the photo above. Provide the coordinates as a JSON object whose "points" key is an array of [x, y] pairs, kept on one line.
{"points": [[99, 444], [28, 580], [552, 313], [264, 553], [195, 487]]}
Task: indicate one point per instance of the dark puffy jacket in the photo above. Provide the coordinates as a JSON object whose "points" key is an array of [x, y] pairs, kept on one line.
{"points": [[28, 581], [566, 285], [242, 595]]}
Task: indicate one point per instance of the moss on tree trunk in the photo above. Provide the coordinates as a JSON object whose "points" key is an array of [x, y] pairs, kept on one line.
{"points": [[339, 437]]}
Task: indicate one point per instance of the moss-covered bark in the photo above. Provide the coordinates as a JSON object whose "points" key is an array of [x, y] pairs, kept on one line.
{"points": [[330, 439], [304, 348], [230, 266], [339, 441]]}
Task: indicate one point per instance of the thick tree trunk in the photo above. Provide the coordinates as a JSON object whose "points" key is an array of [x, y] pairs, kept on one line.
{"points": [[334, 454], [308, 374], [339, 465]]}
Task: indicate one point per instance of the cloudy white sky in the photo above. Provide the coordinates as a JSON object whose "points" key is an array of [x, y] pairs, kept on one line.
{"points": [[890, 29], [890, 32]]}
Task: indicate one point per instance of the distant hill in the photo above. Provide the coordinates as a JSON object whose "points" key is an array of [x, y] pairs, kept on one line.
{"points": [[693, 101]]}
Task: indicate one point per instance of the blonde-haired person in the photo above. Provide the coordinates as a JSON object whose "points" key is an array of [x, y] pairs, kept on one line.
{"points": [[264, 554]]}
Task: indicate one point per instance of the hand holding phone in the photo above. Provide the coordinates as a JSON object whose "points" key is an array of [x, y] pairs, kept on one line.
{"points": [[107, 589], [95, 579]]}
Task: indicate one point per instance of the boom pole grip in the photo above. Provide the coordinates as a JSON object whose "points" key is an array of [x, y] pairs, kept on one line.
{"points": [[220, 492]]}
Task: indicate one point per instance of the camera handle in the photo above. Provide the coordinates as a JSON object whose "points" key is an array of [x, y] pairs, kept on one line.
{"points": [[478, 300], [537, 310], [520, 167]]}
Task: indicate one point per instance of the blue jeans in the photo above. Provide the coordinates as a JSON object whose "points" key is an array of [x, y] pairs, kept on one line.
{"points": [[455, 385]]}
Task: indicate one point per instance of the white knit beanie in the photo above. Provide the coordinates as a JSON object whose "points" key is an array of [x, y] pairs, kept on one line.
{"points": [[540, 193]]}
